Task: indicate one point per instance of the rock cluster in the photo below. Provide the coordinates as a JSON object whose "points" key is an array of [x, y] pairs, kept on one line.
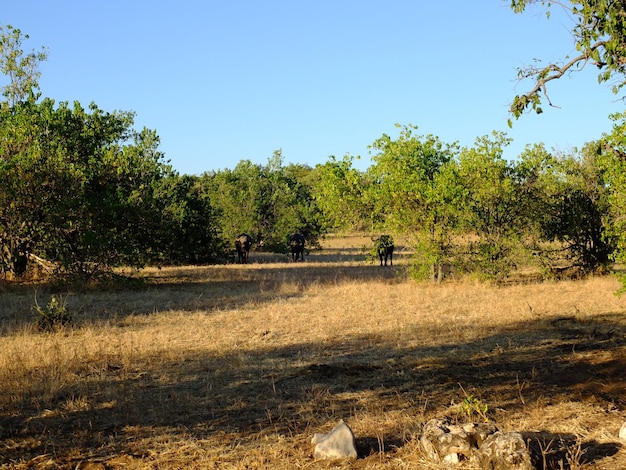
{"points": [[447, 443], [442, 440]]}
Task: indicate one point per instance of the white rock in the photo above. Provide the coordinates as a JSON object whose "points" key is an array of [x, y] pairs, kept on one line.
{"points": [[504, 451], [337, 444], [452, 458]]}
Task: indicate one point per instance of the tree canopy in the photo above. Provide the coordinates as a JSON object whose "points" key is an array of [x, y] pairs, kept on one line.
{"points": [[80, 187], [599, 35], [85, 190]]}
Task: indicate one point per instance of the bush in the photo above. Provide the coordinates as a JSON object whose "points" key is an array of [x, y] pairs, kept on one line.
{"points": [[53, 316]]}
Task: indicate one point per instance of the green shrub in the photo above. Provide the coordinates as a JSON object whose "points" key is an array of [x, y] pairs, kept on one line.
{"points": [[53, 316]]}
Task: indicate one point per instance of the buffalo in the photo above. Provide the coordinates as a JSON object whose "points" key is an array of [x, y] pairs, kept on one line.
{"points": [[296, 243], [384, 249], [242, 245]]}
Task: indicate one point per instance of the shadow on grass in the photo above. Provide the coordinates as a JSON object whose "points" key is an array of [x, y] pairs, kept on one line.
{"points": [[564, 450], [296, 390], [190, 289]]}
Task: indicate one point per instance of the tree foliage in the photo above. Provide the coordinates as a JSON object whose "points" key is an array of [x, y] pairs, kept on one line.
{"points": [[21, 69], [270, 202], [493, 205], [78, 187], [586, 212], [189, 232], [599, 34], [579, 212], [413, 189], [611, 150], [84, 189], [340, 195]]}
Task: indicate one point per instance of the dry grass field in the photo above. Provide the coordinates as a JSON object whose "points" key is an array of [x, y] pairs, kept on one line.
{"points": [[237, 366]]}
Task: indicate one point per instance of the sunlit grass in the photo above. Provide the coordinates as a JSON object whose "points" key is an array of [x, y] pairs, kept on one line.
{"points": [[237, 366]]}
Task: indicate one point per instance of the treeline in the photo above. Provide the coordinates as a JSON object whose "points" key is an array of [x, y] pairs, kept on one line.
{"points": [[470, 210], [83, 192]]}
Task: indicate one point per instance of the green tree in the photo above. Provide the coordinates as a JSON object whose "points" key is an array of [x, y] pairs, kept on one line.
{"points": [[269, 202], [78, 187], [299, 211], [341, 195], [612, 159], [599, 34], [21, 70], [189, 232], [579, 215], [84, 189], [493, 206], [234, 193], [414, 186]]}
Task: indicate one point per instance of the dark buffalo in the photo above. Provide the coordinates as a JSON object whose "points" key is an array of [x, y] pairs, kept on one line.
{"points": [[242, 245], [384, 249], [296, 243]]}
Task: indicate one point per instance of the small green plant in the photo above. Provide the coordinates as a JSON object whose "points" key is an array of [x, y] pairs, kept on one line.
{"points": [[53, 316], [472, 405]]}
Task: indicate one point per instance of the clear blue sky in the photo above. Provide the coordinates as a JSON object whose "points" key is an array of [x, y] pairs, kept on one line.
{"points": [[231, 80]]}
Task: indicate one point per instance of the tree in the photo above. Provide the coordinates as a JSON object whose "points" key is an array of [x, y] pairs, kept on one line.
{"points": [[233, 193], [22, 74], [86, 190], [492, 206], [611, 152], [579, 212], [599, 34], [340, 194], [78, 187], [20, 69], [413, 190], [269, 202], [189, 230]]}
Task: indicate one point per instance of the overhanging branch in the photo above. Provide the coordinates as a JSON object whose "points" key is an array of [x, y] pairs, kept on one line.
{"points": [[547, 74]]}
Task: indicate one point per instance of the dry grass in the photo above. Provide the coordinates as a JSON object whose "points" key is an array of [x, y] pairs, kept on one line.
{"points": [[237, 366]]}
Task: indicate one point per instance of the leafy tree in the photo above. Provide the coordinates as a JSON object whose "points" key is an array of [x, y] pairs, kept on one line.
{"points": [[269, 202], [611, 152], [22, 74], [300, 212], [413, 189], [599, 34], [78, 187], [579, 216], [20, 69], [189, 233], [340, 194], [234, 194], [493, 209], [86, 190]]}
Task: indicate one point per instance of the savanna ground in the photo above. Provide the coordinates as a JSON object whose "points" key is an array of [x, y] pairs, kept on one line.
{"points": [[238, 366]]}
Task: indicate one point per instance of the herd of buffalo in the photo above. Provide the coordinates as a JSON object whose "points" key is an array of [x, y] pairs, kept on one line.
{"points": [[383, 246]]}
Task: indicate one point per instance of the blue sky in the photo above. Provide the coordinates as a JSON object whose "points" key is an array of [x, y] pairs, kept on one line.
{"points": [[225, 81]]}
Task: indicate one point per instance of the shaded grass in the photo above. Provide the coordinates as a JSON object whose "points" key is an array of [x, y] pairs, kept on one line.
{"points": [[237, 367]]}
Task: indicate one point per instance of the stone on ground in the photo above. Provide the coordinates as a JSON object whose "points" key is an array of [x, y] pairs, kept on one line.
{"points": [[337, 444]]}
